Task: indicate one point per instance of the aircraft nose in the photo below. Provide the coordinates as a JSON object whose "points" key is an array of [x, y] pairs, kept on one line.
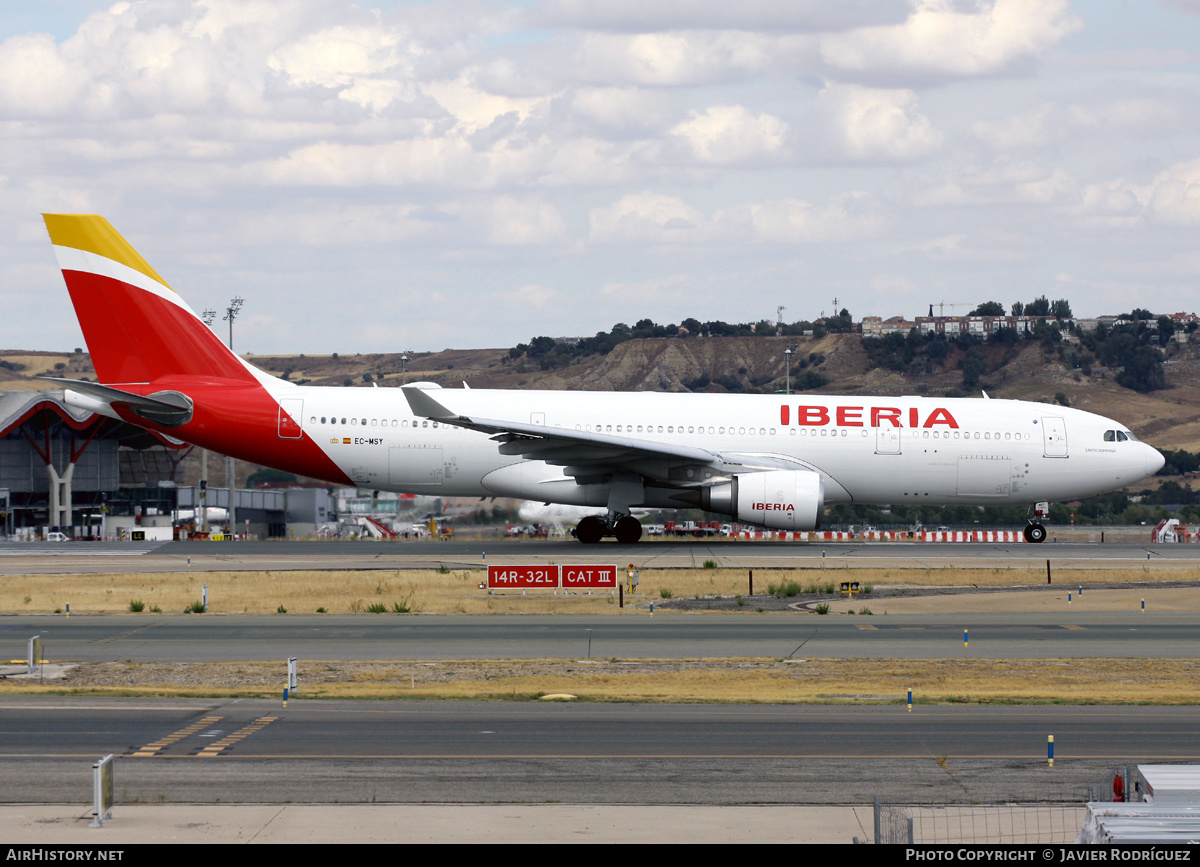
{"points": [[1154, 460]]}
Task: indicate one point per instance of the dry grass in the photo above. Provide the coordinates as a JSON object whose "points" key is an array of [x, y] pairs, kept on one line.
{"points": [[1085, 681], [457, 592]]}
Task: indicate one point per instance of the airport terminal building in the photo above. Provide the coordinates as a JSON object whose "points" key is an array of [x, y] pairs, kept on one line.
{"points": [[87, 475]]}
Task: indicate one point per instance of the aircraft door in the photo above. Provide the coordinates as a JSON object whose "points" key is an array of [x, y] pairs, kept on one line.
{"points": [[1054, 435], [887, 440], [291, 415]]}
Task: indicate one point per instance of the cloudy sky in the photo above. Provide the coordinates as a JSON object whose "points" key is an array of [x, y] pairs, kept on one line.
{"points": [[385, 176]]}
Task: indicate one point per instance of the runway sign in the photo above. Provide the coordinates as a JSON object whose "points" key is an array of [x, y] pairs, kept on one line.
{"points": [[520, 577], [589, 577]]}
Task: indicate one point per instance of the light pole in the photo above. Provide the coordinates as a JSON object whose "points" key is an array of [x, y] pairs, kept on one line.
{"points": [[208, 316], [231, 313], [787, 356]]}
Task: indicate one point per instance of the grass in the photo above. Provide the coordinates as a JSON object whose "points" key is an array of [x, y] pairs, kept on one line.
{"points": [[136, 606], [433, 591], [767, 681], [196, 607]]}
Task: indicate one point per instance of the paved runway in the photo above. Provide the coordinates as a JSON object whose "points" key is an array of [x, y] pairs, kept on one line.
{"points": [[623, 754], [410, 752], [212, 638], [101, 557]]}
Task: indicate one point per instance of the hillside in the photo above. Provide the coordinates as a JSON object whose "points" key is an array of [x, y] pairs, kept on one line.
{"points": [[1168, 419]]}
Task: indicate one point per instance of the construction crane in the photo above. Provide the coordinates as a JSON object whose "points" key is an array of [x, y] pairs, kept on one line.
{"points": [[942, 305]]}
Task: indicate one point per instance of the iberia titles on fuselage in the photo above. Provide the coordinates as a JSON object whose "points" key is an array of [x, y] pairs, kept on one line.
{"points": [[759, 458]]}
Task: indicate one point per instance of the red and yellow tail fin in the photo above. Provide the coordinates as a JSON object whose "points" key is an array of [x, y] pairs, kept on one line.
{"points": [[138, 330]]}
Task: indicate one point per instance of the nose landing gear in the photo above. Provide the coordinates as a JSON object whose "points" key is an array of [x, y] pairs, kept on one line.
{"points": [[1035, 530]]}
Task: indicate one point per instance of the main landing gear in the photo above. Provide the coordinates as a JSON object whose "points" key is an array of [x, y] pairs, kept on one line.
{"points": [[593, 528]]}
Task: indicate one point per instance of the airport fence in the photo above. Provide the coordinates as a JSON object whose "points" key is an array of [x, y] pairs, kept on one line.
{"points": [[1000, 824], [1044, 816]]}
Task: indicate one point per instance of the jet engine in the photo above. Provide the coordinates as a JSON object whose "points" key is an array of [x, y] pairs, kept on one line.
{"points": [[779, 499]]}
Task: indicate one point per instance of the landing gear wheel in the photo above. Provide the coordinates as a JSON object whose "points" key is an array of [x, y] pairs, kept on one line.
{"points": [[590, 530], [628, 530], [1035, 533]]}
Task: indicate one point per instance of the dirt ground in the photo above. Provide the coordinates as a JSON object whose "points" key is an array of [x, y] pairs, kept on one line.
{"points": [[673, 593]]}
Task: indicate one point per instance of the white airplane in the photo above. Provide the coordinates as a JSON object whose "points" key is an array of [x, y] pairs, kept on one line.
{"points": [[769, 460]]}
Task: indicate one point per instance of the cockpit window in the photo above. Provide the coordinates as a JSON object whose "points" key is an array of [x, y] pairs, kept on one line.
{"points": [[1110, 436], [1131, 436], [1121, 437]]}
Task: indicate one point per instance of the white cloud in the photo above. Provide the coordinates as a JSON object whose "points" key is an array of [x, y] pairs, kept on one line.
{"points": [[941, 37], [845, 217], [1173, 198], [531, 295], [874, 124], [658, 218], [769, 15], [522, 221], [730, 134], [673, 287], [619, 108], [641, 217], [686, 58], [1051, 123]]}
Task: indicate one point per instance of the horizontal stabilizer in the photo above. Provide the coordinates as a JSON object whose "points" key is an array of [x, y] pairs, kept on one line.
{"points": [[167, 408]]}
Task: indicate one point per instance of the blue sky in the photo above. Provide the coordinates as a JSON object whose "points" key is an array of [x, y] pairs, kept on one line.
{"points": [[425, 175]]}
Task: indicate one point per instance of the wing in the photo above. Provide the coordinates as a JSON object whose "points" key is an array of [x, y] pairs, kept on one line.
{"points": [[590, 457]]}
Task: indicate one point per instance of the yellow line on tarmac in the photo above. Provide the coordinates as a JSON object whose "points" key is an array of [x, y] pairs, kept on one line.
{"points": [[152, 748], [216, 747]]}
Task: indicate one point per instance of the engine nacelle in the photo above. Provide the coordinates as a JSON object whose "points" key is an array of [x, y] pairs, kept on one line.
{"points": [[780, 499]]}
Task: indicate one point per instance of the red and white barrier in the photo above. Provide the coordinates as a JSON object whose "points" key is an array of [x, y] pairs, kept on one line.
{"points": [[972, 536], [884, 536]]}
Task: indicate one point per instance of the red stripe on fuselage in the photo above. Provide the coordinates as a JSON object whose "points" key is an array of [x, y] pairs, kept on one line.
{"points": [[242, 421]]}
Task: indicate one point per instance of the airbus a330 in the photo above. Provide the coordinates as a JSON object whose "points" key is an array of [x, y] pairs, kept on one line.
{"points": [[771, 460]]}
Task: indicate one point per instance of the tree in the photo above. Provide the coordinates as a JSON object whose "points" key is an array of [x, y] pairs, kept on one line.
{"points": [[1038, 307], [988, 308], [974, 365], [1061, 309]]}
